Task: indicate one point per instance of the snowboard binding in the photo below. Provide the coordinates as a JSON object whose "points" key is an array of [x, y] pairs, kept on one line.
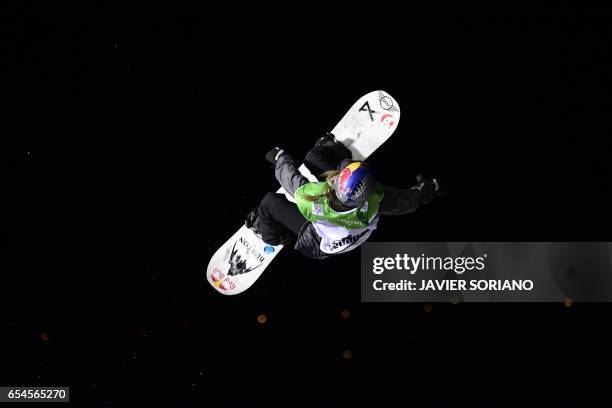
{"points": [[252, 222]]}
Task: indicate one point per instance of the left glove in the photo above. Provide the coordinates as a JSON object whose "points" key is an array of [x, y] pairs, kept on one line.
{"points": [[273, 155]]}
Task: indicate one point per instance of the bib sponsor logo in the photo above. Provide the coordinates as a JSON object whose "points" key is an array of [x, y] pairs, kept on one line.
{"points": [[347, 240], [351, 223], [317, 209]]}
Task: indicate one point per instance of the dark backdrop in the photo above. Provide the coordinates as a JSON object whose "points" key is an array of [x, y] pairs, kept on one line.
{"points": [[136, 136]]}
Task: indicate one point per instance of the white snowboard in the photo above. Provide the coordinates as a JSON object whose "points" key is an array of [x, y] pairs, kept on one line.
{"points": [[243, 258]]}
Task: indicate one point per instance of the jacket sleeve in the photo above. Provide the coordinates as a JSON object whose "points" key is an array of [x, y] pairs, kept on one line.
{"points": [[287, 173], [399, 201]]}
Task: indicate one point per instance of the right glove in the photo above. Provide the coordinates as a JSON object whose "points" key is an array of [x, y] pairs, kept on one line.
{"points": [[273, 155], [429, 187]]}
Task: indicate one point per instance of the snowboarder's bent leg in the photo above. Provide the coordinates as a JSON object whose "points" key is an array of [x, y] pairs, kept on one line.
{"points": [[326, 156], [278, 218]]}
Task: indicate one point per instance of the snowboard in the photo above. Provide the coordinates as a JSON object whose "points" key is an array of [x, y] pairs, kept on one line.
{"points": [[242, 259]]}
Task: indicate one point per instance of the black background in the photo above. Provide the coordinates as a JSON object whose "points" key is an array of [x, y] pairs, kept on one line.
{"points": [[135, 138]]}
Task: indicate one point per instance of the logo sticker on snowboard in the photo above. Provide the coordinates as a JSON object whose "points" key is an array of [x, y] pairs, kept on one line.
{"points": [[387, 119], [237, 258], [366, 107], [386, 102], [221, 281]]}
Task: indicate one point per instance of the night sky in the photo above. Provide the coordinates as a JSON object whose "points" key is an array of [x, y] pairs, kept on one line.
{"points": [[133, 145]]}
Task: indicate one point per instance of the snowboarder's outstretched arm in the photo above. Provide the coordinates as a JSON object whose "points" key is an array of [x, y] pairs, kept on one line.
{"points": [[286, 170], [399, 201]]}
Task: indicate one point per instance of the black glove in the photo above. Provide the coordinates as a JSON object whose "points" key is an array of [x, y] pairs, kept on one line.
{"points": [[328, 139], [429, 188], [273, 154]]}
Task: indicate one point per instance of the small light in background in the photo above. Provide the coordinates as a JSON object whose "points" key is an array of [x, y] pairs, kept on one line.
{"points": [[143, 332]]}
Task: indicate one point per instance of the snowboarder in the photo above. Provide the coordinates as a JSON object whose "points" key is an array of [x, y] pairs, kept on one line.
{"points": [[336, 214]]}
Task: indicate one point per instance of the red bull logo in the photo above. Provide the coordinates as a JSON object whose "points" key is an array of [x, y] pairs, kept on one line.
{"points": [[349, 181], [345, 176], [220, 280]]}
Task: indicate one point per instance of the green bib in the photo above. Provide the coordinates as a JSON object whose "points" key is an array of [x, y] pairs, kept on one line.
{"points": [[320, 210]]}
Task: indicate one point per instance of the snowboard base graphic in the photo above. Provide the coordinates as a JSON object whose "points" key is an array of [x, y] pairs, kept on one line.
{"points": [[242, 259]]}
